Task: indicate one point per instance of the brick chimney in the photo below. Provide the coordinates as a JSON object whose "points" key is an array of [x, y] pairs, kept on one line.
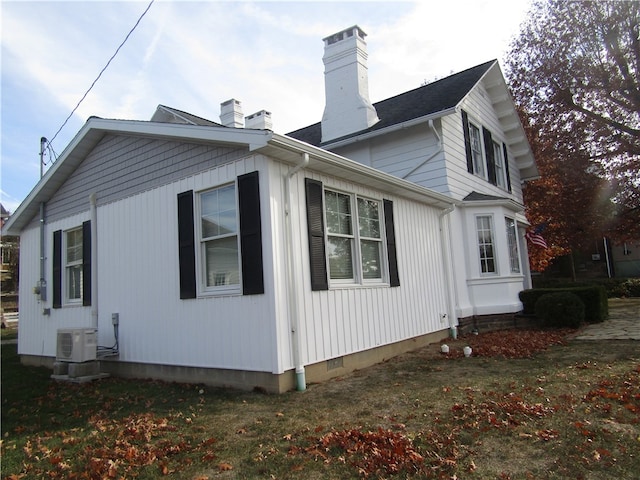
{"points": [[231, 114], [260, 120], [346, 84]]}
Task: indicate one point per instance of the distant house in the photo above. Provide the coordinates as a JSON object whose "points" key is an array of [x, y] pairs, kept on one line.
{"points": [[227, 254]]}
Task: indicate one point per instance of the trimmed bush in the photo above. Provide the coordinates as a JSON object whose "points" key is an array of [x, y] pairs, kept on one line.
{"points": [[594, 298], [560, 309]]}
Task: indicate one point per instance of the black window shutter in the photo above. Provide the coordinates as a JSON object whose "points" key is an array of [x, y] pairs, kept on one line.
{"points": [[506, 166], [186, 245], [250, 234], [467, 141], [491, 161], [315, 226], [394, 277], [86, 263], [57, 269]]}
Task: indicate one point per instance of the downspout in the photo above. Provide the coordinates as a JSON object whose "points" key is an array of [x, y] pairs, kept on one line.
{"points": [[301, 383], [94, 261], [448, 274], [42, 287], [606, 256], [430, 157]]}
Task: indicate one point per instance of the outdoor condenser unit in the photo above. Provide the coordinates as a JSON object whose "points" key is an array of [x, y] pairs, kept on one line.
{"points": [[76, 345]]}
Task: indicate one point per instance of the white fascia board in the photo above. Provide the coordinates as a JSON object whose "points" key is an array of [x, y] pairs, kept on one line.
{"points": [[502, 202], [321, 159], [389, 129], [94, 130]]}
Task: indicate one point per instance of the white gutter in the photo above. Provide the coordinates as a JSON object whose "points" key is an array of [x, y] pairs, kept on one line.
{"points": [[94, 261], [292, 290], [449, 274], [360, 172], [430, 157]]}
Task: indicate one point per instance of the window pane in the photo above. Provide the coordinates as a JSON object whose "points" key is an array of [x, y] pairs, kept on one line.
{"points": [[485, 244], [74, 282], [222, 266], [499, 163], [514, 258], [74, 246], [338, 213], [218, 212], [371, 259], [340, 258], [476, 150], [368, 218]]}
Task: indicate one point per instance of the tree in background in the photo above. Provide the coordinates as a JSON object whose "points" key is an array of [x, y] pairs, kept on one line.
{"points": [[574, 72]]}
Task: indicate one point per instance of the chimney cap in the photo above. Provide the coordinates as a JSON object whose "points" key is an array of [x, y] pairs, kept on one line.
{"points": [[346, 33]]}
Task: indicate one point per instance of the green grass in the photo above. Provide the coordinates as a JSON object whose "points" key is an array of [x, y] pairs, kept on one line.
{"points": [[9, 333], [572, 411]]}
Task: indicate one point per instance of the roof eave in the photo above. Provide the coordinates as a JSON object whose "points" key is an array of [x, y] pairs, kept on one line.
{"points": [[323, 161], [90, 135], [391, 128]]}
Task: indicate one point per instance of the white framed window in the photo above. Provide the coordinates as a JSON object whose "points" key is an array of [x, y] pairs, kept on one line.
{"points": [[354, 238], [476, 151], [484, 229], [218, 232], [73, 265], [501, 171], [512, 244]]}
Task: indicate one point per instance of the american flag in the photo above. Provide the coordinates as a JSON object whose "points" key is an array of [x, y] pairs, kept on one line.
{"points": [[535, 237]]}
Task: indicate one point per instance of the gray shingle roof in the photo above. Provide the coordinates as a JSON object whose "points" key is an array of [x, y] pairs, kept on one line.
{"points": [[426, 100]]}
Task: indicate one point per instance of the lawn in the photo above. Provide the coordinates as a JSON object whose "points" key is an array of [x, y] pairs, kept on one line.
{"points": [[525, 405]]}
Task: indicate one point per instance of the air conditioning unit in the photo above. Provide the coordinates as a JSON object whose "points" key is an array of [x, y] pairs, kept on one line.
{"points": [[76, 345]]}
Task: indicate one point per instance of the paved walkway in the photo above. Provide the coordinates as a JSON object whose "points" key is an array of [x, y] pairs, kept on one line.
{"points": [[623, 322]]}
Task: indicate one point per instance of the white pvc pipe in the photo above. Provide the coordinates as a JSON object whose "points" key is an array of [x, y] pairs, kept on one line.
{"points": [[301, 383], [94, 260], [448, 275]]}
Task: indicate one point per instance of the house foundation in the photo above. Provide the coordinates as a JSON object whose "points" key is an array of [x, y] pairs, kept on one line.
{"points": [[490, 323], [252, 380]]}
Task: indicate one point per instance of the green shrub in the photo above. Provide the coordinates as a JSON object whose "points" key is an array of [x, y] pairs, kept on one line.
{"points": [[594, 298], [560, 309]]}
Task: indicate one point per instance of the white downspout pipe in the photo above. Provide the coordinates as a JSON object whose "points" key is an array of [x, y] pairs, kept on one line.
{"points": [[94, 260], [430, 157], [448, 274], [301, 383]]}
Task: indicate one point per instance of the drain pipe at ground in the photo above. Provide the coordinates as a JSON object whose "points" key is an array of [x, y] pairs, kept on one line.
{"points": [[301, 383], [448, 275], [94, 260]]}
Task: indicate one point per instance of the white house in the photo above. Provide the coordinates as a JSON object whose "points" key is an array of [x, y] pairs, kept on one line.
{"points": [[232, 255]]}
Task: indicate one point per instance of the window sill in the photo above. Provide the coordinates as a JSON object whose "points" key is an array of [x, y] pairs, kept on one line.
{"points": [[495, 278]]}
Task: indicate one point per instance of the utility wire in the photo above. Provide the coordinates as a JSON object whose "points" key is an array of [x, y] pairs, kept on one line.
{"points": [[101, 72]]}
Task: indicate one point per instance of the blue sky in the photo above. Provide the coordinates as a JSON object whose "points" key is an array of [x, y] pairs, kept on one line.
{"points": [[194, 55]]}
